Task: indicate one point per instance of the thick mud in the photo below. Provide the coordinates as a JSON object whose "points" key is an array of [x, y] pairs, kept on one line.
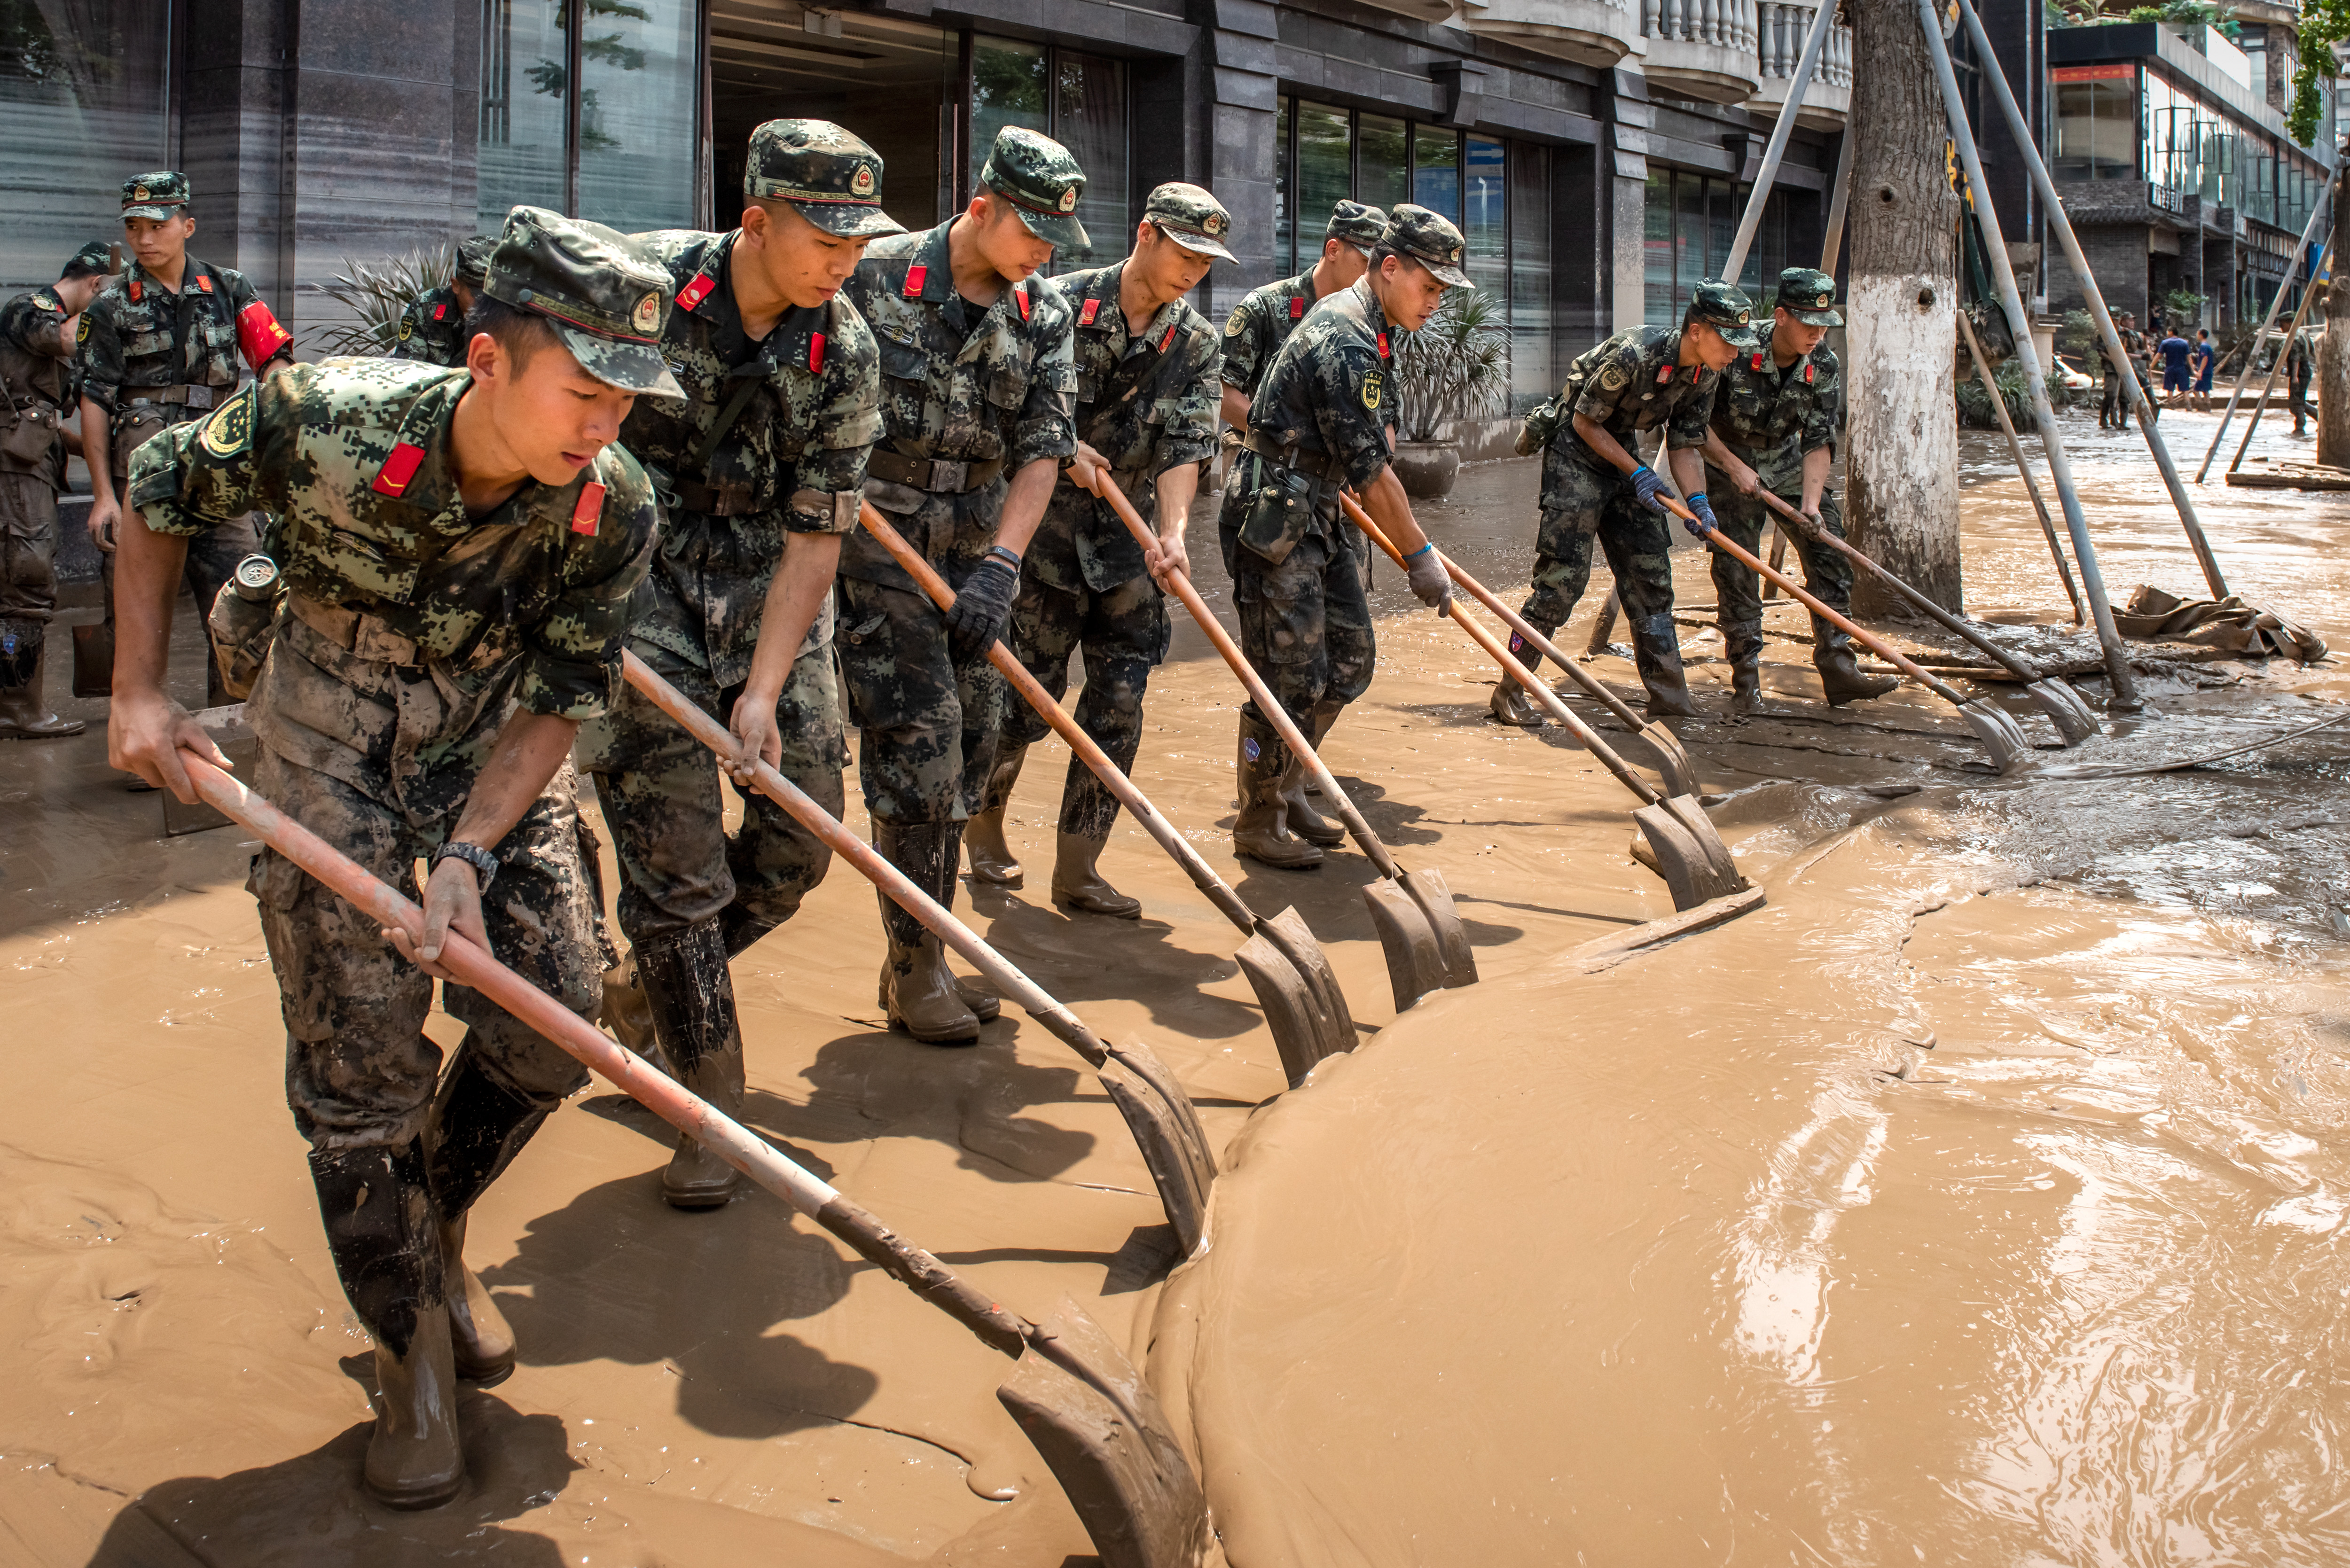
{"points": [[1977, 1195]]}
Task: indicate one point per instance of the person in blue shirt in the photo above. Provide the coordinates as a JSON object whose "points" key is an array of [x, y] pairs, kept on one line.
{"points": [[2202, 362], [2176, 382]]}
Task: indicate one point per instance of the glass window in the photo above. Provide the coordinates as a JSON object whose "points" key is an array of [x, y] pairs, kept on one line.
{"points": [[2096, 130], [1007, 88], [1688, 239], [1284, 239], [1382, 161], [1435, 171], [1722, 208], [1089, 120], [1531, 374], [1484, 209], [1656, 308], [521, 159], [84, 86], [1325, 168], [637, 67]]}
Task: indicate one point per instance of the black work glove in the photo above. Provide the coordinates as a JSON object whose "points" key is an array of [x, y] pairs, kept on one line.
{"points": [[982, 607]]}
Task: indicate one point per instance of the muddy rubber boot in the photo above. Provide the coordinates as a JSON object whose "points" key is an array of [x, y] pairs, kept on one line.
{"points": [[1741, 642], [380, 1231], [1260, 831], [23, 648], [1297, 783], [1841, 680], [919, 993], [1656, 654], [691, 995], [992, 860], [480, 1122], [1078, 884], [1512, 706]]}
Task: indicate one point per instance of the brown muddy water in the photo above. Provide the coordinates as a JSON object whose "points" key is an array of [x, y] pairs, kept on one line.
{"points": [[1979, 1199]]}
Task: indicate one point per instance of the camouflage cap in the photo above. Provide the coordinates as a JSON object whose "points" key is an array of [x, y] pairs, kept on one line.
{"points": [[162, 194], [1357, 222], [1040, 178], [606, 298], [93, 260], [830, 178], [1429, 239], [1808, 294], [1727, 310], [473, 259], [1192, 218]]}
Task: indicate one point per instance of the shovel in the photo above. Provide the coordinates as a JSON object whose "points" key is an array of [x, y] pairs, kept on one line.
{"points": [[1999, 734], [1157, 1110], [1078, 1400], [1690, 856], [1285, 966], [1427, 946], [2062, 704]]}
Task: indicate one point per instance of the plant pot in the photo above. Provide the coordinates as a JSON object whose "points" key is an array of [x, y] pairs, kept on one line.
{"points": [[1427, 468]]}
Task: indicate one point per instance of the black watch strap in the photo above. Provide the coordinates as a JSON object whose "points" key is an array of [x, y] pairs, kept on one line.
{"points": [[484, 863]]}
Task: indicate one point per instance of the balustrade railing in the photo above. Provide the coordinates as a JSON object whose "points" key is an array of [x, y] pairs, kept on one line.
{"points": [[1782, 29], [1728, 24]]}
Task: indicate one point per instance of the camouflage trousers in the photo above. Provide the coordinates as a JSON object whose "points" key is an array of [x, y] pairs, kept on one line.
{"points": [[1305, 624], [28, 548], [927, 724], [662, 796], [1738, 588], [1635, 539], [360, 1071], [1122, 632]]}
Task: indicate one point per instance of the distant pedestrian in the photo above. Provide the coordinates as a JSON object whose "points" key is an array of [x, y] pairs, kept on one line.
{"points": [[2177, 381], [2297, 365], [2203, 361]]}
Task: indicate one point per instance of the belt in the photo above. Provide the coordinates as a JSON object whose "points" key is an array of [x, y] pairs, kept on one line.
{"points": [[1321, 465], [191, 397], [713, 500], [939, 476], [355, 632]]}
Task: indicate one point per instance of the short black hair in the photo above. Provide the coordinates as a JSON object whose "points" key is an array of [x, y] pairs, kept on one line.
{"points": [[1382, 251], [521, 333], [91, 261]]}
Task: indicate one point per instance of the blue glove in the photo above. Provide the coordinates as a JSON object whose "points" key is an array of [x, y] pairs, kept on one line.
{"points": [[1704, 509], [982, 606], [1645, 482]]}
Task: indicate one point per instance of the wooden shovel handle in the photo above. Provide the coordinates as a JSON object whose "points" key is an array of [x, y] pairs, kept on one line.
{"points": [[1266, 702], [657, 1092], [1591, 686], [1114, 778]]}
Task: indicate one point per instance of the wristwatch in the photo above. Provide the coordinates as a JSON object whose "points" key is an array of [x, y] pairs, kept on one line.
{"points": [[484, 863]]}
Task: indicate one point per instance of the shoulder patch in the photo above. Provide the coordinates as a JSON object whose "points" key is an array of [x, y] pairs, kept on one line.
{"points": [[1372, 387], [1235, 327], [406, 328], [230, 429], [46, 301], [1613, 377], [81, 330]]}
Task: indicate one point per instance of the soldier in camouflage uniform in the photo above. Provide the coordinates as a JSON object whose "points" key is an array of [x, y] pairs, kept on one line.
{"points": [[759, 472], [1145, 415], [1258, 325], [1316, 425], [432, 328], [1593, 482], [460, 548], [39, 388], [976, 401], [1774, 425], [159, 348]]}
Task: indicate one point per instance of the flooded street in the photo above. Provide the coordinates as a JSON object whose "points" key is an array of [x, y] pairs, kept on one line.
{"points": [[1979, 1199]]}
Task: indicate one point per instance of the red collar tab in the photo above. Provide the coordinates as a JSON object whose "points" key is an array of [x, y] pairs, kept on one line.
{"points": [[914, 276], [441, 311], [138, 287], [1808, 372], [816, 352], [1296, 306], [1758, 360], [1665, 374], [694, 293], [398, 469], [1020, 297], [205, 281], [1383, 345], [585, 516], [1169, 338], [1085, 316]]}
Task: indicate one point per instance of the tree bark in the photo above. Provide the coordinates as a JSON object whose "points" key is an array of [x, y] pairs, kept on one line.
{"points": [[2330, 381], [1902, 462]]}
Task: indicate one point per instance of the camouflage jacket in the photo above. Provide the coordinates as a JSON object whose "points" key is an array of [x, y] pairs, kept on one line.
{"points": [[793, 461], [998, 397], [1324, 395], [38, 375], [1260, 323], [433, 329], [137, 337], [1628, 385], [1147, 404], [523, 606], [1770, 417]]}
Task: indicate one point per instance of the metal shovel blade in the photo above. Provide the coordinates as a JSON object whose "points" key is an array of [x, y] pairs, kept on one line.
{"points": [[1415, 961], [1672, 762], [1288, 931], [1690, 872], [2065, 710], [1298, 1033], [2002, 736], [1708, 839], [1429, 889], [1167, 1129], [1099, 1426]]}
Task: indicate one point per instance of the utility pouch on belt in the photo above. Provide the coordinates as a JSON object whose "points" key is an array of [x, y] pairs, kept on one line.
{"points": [[134, 426], [244, 622], [1280, 511], [31, 432], [1541, 424]]}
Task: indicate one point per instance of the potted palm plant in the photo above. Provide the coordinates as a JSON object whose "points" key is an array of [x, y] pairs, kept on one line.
{"points": [[1455, 368], [375, 292]]}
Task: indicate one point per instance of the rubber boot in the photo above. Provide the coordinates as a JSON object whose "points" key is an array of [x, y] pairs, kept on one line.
{"points": [[480, 1122], [1078, 884], [1299, 813], [1841, 680], [379, 1215], [1742, 641], [1511, 703], [23, 648], [1656, 654], [919, 991], [691, 995], [992, 860], [1260, 831]]}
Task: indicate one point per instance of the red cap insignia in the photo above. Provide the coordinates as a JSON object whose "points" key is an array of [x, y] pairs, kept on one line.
{"points": [[694, 293], [1085, 316], [398, 469], [1296, 306], [816, 352], [914, 275], [1020, 297], [584, 517]]}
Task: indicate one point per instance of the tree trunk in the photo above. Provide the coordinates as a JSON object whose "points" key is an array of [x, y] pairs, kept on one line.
{"points": [[1902, 466], [2330, 380]]}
